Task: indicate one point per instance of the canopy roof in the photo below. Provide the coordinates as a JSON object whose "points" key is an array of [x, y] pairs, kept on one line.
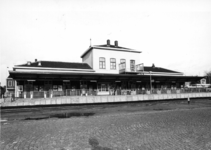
{"points": [[18, 75]]}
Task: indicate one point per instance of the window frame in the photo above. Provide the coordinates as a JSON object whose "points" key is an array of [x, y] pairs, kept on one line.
{"points": [[102, 64], [134, 65], [113, 64]]}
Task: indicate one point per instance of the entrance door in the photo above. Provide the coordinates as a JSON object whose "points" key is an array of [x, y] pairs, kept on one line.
{"points": [[103, 89]]}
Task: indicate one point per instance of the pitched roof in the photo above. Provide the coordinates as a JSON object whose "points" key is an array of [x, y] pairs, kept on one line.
{"points": [[113, 46], [109, 47], [56, 64], [159, 69]]}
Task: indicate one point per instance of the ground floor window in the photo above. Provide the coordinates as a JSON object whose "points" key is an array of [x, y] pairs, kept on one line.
{"points": [[102, 87]]}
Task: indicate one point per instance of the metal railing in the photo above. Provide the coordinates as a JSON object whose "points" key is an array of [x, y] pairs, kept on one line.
{"points": [[89, 92]]}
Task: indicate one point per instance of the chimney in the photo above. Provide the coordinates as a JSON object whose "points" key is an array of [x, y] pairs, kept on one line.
{"points": [[28, 63], [108, 42], [153, 65], [35, 60], [116, 43]]}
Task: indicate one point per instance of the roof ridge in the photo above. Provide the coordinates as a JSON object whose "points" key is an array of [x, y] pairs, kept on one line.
{"points": [[163, 69], [113, 46], [60, 61]]}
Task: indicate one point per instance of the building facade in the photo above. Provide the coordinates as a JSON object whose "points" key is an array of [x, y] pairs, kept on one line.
{"points": [[105, 70]]}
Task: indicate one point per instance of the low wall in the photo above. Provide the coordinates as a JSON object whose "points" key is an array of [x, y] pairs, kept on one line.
{"points": [[102, 99]]}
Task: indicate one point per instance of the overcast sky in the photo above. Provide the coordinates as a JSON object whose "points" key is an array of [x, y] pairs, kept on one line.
{"points": [[171, 34]]}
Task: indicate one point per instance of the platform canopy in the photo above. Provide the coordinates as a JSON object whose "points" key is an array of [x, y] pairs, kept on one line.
{"points": [[21, 75]]}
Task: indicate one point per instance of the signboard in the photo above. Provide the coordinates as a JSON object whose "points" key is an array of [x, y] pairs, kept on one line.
{"points": [[203, 81]]}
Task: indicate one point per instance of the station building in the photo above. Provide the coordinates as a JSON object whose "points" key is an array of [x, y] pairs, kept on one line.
{"points": [[107, 69]]}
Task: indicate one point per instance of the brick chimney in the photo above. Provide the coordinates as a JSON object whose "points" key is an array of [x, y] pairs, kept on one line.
{"points": [[116, 43], [108, 42]]}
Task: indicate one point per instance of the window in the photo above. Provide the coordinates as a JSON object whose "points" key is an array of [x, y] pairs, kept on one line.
{"points": [[10, 83], [132, 65], [102, 63], [102, 87], [123, 62], [113, 63], [55, 88]]}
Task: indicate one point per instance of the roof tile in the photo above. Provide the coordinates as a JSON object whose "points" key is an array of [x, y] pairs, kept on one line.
{"points": [[56, 64]]}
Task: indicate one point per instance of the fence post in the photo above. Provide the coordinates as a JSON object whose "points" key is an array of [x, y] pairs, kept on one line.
{"points": [[44, 94], [188, 99], [24, 95], [11, 97], [31, 94]]}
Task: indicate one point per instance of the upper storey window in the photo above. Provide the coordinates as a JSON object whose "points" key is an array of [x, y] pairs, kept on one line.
{"points": [[102, 63], [113, 63], [132, 65]]}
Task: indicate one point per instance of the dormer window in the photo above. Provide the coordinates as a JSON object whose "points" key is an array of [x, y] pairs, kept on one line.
{"points": [[113, 64], [102, 63]]}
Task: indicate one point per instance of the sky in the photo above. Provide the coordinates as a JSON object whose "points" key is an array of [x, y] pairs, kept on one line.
{"points": [[172, 34]]}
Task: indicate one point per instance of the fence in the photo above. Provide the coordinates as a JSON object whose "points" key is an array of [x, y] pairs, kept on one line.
{"points": [[84, 92]]}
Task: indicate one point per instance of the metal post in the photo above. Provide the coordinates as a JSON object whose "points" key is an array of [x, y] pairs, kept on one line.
{"points": [[150, 83]]}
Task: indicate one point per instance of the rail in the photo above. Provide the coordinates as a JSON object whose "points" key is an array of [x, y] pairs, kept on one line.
{"points": [[89, 92]]}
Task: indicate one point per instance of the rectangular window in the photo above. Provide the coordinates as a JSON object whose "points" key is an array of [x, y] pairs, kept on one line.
{"points": [[9, 83], [132, 65], [55, 88], [103, 87], [102, 63], [113, 63]]}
